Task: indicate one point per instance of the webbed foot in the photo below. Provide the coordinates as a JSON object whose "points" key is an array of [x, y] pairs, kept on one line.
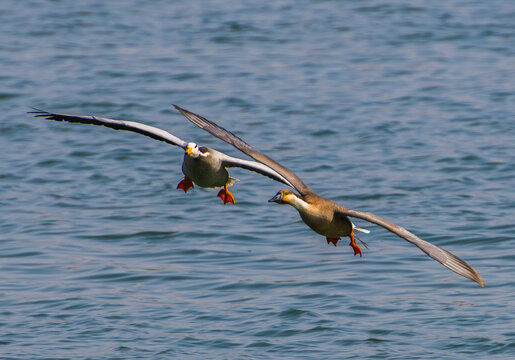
{"points": [[334, 241], [226, 195], [185, 184], [354, 246]]}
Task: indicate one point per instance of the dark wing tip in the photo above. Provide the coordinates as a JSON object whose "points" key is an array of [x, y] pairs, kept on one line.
{"points": [[38, 112], [35, 110], [449, 260], [461, 267], [198, 120], [44, 114], [48, 115], [443, 256], [184, 111], [479, 280]]}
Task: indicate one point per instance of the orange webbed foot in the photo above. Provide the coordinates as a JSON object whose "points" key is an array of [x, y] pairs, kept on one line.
{"points": [[185, 184], [334, 241], [354, 246], [226, 195]]}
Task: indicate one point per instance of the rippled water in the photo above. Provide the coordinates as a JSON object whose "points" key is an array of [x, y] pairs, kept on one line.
{"points": [[402, 108]]}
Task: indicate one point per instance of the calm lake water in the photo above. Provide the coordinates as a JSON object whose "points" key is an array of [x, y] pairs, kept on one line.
{"points": [[402, 108]]}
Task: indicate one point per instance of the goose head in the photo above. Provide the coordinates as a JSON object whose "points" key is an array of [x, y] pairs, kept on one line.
{"points": [[193, 150]]}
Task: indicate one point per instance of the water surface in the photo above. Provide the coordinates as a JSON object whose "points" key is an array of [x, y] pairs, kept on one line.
{"points": [[402, 108]]}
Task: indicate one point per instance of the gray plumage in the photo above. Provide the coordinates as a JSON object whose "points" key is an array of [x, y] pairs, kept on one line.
{"points": [[205, 171]]}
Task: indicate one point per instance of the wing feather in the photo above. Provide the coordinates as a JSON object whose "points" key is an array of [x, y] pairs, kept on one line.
{"points": [[444, 257], [143, 129], [229, 161], [241, 145]]}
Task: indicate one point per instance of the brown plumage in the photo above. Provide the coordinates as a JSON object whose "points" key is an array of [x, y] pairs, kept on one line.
{"points": [[325, 216]]}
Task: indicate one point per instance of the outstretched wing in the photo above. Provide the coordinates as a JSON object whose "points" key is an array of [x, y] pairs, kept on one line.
{"points": [[444, 257], [229, 162], [229, 137], [147, 130]]}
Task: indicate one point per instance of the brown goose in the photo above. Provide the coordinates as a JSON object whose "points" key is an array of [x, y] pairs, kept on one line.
{"points": [[203, 166], [325, 216]]}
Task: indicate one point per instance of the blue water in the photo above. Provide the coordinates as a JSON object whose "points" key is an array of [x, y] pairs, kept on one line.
{"points": [[402, 108]]}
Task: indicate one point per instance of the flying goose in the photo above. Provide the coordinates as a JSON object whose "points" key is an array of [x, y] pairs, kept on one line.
{"points": [[203, 166], [324, 216]]}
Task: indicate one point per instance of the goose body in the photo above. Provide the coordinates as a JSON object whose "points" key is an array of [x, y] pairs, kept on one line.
{"points": [[203, 166], [326, 217], [207, 171], [317, 213]]}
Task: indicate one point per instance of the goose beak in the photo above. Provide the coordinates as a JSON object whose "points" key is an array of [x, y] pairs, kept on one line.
{"points": [[189, 150], [277, 198]]}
